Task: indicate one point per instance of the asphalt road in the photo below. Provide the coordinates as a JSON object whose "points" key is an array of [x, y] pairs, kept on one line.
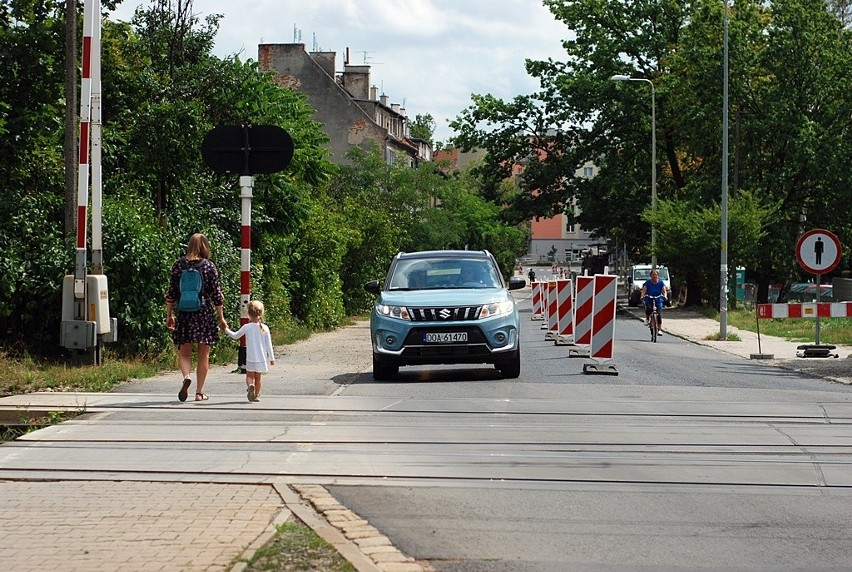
{"points": [[688, 458]]}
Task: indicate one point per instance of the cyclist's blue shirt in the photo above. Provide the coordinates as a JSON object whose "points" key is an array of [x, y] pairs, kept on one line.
{"points": [[652, 289]]}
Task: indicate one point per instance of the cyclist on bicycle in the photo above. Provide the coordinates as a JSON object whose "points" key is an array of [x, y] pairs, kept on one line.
{"points": [[653, 286]]}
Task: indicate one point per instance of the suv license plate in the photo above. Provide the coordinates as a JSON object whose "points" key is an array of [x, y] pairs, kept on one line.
{"points": [[444, 338]]}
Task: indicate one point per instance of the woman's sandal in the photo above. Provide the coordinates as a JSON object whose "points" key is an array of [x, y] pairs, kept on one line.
{"points": [[201, 397], [182, 394]]}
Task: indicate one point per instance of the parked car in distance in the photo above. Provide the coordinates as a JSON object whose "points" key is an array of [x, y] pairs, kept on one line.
{"points": [[445, 307], [636, 276]]}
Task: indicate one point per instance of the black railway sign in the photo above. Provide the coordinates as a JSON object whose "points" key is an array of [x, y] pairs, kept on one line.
{"points": [[247, 149]]}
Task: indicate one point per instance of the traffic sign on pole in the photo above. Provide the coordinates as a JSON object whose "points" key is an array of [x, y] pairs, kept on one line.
{"points": [[247, 149], [818, 251]]}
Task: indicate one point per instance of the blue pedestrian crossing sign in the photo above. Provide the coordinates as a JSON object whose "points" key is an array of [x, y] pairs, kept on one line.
{"points": [[818, 251]]}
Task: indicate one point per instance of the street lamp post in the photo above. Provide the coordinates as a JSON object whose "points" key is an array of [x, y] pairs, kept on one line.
{"points": [[619, 77], [723, 263]]}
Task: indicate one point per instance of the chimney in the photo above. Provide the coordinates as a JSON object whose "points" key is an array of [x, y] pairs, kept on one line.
{"points": [[356, 80], [374, 93], [325, 61], [384, 100]]}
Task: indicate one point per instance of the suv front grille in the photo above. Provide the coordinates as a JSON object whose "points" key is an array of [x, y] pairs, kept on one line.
{"points": [[446, 314]]}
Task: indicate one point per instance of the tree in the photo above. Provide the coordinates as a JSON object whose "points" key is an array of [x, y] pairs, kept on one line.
{"points": [[790, 62], [423, 127]]}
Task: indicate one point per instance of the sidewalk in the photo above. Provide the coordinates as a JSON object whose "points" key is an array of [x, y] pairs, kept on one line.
{"points": [[699, 329]]}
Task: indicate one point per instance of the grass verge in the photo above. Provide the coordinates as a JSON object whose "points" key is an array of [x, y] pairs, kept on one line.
{"points": [[832, 330], [295, 547]]}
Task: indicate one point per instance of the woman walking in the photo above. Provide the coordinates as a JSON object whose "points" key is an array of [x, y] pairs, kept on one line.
{"points": [[194, 327]]}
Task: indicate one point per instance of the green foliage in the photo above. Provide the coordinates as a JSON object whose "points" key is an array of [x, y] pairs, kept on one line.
{"points": [[33, 261], [422, 127], [688, 236], [316, 289], [790, 75], [316, 235]]}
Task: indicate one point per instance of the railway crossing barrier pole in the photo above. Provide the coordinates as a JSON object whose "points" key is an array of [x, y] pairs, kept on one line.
{"points": [[565, 312], [536, 301], [582, 317], [603, 325], [551, 323]]}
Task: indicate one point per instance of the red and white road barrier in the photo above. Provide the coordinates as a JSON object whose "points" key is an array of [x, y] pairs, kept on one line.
{"points": [[537, 305], [603, 319], [806, 310], [551, 322], [564, 312], [583, 311]]}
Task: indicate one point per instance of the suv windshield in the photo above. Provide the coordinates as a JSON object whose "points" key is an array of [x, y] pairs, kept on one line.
{"points": [[425, 274], [642, 274]]}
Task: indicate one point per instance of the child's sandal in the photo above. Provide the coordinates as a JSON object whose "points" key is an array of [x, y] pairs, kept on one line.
{"points": [[201, 397]]}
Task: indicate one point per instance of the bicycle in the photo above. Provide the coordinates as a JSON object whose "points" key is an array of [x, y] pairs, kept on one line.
{"points": [[654, 318]]}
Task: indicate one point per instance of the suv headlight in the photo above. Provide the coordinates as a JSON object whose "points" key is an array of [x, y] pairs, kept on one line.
{"points": [[496, 309], [398, 312]]}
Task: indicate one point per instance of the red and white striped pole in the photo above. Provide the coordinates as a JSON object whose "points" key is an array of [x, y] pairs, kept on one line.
{"points": [[96, 149], [80, 268], [246, 186]]}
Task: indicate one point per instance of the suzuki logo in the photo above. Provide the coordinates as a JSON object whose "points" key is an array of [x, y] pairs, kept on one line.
{"points": [[445, 314]]}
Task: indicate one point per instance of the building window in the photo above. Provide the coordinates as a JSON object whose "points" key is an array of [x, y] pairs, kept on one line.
{"points": [[588, 172], [569, 228]]}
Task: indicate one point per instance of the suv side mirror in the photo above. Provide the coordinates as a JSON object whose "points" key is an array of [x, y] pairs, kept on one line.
{"points": [[630, 280], [516, 282], [372, 287]]}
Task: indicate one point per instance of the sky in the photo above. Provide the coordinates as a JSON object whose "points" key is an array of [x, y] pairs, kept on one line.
{"points": [[429, 56]]}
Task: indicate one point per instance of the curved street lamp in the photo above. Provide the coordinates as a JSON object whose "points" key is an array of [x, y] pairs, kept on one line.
{"points": [[619, 77]]}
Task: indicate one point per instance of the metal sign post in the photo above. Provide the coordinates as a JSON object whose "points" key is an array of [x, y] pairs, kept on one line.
{"points": [[246, 150]]}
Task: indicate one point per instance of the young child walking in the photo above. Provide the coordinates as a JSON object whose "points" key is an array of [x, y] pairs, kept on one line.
{"points": [[259, 354]]}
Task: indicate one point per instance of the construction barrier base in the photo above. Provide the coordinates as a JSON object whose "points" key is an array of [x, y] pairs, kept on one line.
{"points": [[551, 335], [599, 369], [813, 350], [762, 356], [579, 352], [537, 317], [564, 340]]}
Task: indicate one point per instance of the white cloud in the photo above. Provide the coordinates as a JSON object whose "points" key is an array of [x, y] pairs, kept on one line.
{"points": [[429, 54]]}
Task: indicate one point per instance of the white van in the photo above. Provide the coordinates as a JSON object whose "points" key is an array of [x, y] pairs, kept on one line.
{"points": [[637, 275]]}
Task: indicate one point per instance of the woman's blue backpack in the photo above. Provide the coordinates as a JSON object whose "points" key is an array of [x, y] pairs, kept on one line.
{"points": [[191, 284]]}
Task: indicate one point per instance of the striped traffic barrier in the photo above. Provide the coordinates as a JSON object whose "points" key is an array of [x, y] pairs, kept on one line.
{"points": [[603, 323], [565, 312], [537, 313], [582, 316], [545, 305], [814, 310], [551, 323], [805, 310]]}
